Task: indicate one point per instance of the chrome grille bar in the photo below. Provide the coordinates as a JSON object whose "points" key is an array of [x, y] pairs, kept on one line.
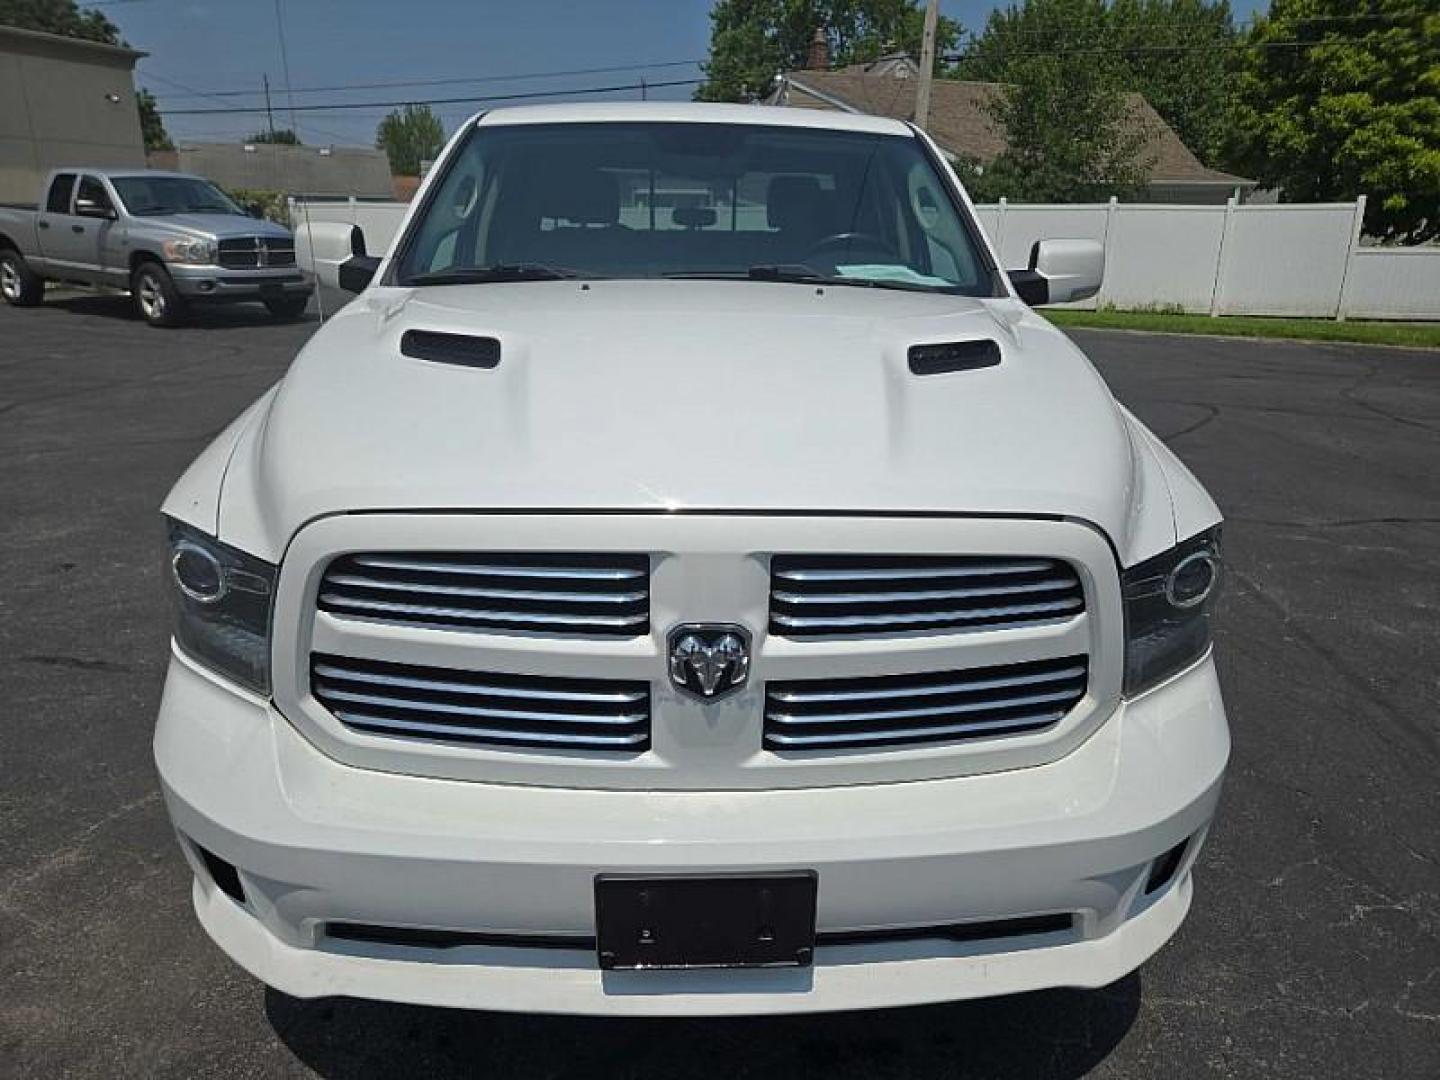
{"points": [[931, 733], [1039, 678], [499, 736], [428, 703], [950, 708], [871, 595], [483, 569], [488, 689], [382, 585], [553, 594], [922, 572], [820, 714], [913, 595]]}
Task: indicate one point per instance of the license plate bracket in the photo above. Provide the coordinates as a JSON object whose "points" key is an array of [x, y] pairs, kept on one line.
{"points": [[685, 921]]}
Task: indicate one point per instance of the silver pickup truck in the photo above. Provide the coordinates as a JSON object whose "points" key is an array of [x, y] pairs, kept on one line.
{"points": [[172, 239]]}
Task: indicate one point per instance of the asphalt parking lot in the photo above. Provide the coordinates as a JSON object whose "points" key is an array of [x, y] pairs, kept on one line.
{"points": [[1314, 944]]}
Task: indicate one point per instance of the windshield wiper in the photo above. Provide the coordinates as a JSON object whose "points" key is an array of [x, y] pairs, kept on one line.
{"points": [[799, 274], [796, 272], [498, 272]]}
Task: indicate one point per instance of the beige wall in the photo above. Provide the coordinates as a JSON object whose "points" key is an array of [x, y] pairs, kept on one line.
{"points": [[54, 110]]}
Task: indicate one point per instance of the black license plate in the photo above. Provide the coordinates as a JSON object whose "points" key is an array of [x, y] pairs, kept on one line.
{"points": [[706, 921]]}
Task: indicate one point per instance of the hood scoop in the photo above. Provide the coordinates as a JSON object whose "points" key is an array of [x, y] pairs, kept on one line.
{"points": [[461, 350], [948, 356]]}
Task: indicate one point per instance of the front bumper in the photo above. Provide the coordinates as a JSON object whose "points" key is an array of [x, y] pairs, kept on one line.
{"points": [[318, 842], [218, 284]]}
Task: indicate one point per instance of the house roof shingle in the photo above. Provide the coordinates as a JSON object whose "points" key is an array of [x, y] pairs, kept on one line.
{"points": [[960, 121]]}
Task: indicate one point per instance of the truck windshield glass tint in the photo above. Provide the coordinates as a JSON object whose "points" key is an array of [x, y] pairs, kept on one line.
{"points": [[152, 195], [646, 200]]}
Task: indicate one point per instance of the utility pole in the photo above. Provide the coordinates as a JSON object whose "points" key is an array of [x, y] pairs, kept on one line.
{"points": [[269, 116], [927, 66]]}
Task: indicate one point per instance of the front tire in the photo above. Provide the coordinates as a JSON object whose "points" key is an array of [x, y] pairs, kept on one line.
{"points": [[156, 299], [287, 308], [19, 285]]}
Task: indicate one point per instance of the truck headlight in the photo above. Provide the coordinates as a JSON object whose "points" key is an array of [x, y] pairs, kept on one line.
{"points": [[1168, 602], [222, 606], [187, 250]]}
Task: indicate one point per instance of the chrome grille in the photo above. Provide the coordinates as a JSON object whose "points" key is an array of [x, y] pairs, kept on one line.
{"points": [[448, 705], [899, 710], [539, 593], [256, 252], [867, 595]]}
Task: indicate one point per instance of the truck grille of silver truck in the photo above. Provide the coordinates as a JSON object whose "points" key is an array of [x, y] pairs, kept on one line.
{"points": [[256, 252]]}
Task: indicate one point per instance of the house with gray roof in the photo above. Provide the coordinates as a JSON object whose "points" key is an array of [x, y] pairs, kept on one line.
{"points": [[961, 124]]}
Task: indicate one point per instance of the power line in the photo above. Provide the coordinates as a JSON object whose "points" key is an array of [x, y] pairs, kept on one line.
{"points": [[285, 69], [395, 103], [148, 75], [460, 81]]}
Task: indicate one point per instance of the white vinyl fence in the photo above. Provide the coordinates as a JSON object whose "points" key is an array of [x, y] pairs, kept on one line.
{"points": [[1296, 259]]}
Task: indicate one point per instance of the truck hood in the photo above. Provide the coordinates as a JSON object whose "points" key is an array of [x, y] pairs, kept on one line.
{"points": [[683, 395], [219, 226]]}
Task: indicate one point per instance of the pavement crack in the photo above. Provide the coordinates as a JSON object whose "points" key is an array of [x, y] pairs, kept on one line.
{"points": [[1212, 414], [77, 663], [72, 851], [1419, 736], [1352, 392]]}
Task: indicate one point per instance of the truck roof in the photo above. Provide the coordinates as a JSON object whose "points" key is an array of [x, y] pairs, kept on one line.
{"points": [[114, 170], [692, 112]]}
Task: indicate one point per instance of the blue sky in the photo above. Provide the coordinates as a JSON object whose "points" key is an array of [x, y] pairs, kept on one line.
{"points": [[221, 46]]}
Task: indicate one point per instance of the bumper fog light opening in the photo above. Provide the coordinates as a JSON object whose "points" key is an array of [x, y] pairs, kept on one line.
{"points": [[1162, 870], [222, 873]]}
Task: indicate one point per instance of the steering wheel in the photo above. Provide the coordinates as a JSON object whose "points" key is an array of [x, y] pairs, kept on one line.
{"points": [[857, 240]]}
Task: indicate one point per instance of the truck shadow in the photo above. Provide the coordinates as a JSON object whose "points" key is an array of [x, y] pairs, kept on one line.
{"points": [[107, 305], [1055, 1033]]}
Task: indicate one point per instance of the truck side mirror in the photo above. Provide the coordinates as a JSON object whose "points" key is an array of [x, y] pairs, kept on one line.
{"points": [[90, 208], [356, 272], [1060, 271]]}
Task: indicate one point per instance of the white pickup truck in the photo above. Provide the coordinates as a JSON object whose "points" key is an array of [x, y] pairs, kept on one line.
{"points": [[690, 579], [172, 239]]}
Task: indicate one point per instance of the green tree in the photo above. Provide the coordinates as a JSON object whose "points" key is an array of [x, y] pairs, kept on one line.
{"points": [[1177, 53], [752, 41], [1351, 107], [1070, 137], [64, 17], [1069, 130], [409, 136], [152, 128], [280, 137]]}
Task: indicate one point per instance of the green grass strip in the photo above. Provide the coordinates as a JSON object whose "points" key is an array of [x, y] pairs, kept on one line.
{"points": [[1414, 335]]}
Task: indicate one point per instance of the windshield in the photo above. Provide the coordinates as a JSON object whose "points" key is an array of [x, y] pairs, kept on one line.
{"points": [[646, 200], [150, 195]]}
